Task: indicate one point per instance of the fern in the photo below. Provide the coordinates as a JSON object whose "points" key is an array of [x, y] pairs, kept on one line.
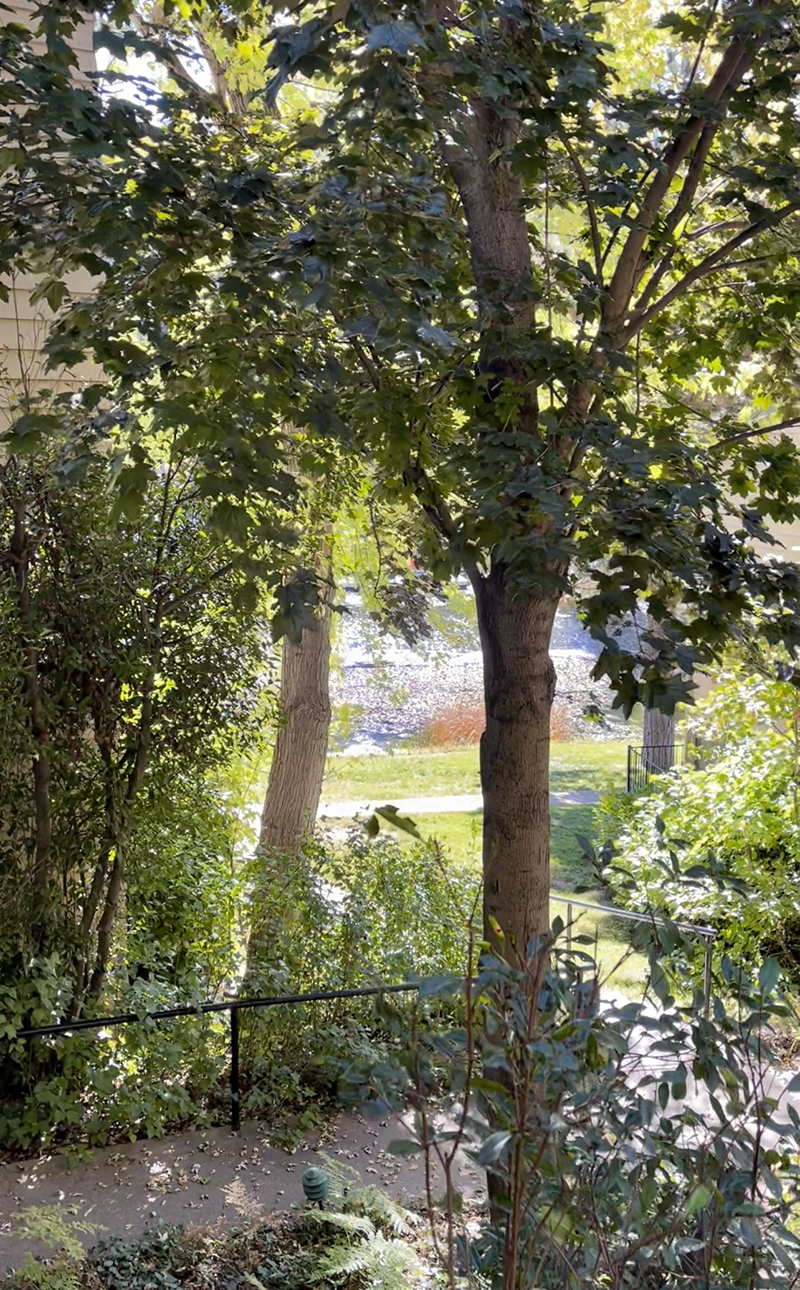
{"points": [[355, 1224], [344, 1181], [53, 1226], [378, 1263], [49, 1276], [363, 1222], [386, 1212], [49, 1225], [347, 1191]]}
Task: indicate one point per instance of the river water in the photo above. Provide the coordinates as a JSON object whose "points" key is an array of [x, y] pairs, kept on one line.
{"points": [[387, 692]]}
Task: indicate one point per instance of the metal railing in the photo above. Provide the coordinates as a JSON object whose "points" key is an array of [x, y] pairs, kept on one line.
{"points": [[235, 1006], [655, 759], [707, 934]]}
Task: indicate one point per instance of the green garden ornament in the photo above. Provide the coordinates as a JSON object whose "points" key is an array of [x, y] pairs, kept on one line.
{"points": [[315, 1186]]}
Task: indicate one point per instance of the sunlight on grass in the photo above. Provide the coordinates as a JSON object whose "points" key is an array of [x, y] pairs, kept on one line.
{"points": [[396, 775], [573, 767]]}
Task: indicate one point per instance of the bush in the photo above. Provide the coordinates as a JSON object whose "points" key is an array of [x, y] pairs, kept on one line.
{"points": [[374, 912], [720, 845], [625, 1146], [464, 724], [131, 1081], [133, 659]]}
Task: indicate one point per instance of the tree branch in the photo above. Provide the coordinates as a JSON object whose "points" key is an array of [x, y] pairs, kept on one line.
{"points": [[173, 63], [687, 194], [732, 66], [711, 264], [360, 350], [583, 180], [755, 431], [170, 606], [432, 504], [40, 761]]}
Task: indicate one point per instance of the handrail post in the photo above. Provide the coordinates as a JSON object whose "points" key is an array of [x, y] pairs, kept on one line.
{"points": [[236, 1108]]}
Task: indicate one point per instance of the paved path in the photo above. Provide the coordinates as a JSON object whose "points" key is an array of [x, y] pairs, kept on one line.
{"points": [[447, 804], [183, 1179]]}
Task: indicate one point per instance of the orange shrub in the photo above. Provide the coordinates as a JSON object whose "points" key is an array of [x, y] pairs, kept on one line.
{"points": [[560, 731], [464, 724]]}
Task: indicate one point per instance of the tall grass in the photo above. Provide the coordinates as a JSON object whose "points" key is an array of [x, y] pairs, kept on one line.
{"points": [[463, 725]]}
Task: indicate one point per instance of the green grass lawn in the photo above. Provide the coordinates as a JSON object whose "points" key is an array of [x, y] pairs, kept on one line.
{"points": [[433, 774], [573, 766], [460, 836]]}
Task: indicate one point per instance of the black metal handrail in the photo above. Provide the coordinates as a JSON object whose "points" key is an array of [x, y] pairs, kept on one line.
{"points": [[708, 934], [235, 1006]]}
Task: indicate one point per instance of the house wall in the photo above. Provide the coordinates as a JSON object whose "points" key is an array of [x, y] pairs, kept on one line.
{"points": [[23, 323]]}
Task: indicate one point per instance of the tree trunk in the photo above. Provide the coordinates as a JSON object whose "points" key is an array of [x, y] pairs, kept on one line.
{"points": [[658, 739], [658, 732], [519, 684], [301, 746]]}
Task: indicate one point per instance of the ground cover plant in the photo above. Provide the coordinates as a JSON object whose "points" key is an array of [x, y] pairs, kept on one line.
{"points": [[361, 1240]]}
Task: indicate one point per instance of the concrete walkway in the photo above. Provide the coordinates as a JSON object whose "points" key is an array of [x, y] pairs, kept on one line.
{"points": [[184, 1179], [447, 804], [187, 1178]]}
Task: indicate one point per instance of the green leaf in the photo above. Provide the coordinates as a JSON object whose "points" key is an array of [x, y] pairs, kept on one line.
{"points": [[769, 975], [494, 1148], [437, 337], [404, 1147], [404, 822], [400, 37], [698, 1199]]}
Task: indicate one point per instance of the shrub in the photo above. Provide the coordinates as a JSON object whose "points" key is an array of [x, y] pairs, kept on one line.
{"points": [[604, 1169], [464, 724], [720, 845], [373, 912]]}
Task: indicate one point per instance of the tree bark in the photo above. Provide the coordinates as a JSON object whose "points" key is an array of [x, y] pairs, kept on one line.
{"points": [[301, 746], [115, 894], [519, 685], [658, 739], [658, 731], [40, 761]]}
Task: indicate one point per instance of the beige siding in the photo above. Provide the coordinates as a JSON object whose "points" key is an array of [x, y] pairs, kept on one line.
{"points": [[23, 323]]}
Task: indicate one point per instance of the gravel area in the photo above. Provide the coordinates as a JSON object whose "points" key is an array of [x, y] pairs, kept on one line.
{"points": [[387, 692]]}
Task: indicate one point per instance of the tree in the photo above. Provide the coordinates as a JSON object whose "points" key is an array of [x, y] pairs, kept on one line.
{"points": [[127, 667], [508, 280], [301, 743], [514, 382], [658, 727]]}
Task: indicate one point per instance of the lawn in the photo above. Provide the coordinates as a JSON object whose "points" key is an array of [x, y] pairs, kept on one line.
{"points": [[460, 836], [432, 774], [574, 766]]}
